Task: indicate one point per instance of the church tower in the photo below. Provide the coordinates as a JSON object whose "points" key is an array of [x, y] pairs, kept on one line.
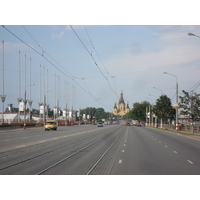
{"points": [[121, 108]]}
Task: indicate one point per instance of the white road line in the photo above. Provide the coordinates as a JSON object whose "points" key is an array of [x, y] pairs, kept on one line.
{"points": [[166, 146], [120, 161], [42, 141], [159, 141], [124, 144], [123, 151], [190, 162], [20, 146], [175, 151]]}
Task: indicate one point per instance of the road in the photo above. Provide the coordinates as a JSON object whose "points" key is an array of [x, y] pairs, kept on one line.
{"points": [[92, 150]]}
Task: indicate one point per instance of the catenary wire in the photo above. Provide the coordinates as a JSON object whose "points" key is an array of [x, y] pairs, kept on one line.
{"points": [[72, 78], [92, 58]]}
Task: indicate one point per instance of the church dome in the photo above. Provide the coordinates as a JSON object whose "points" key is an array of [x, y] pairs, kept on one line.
{"points": [[121, 99]]}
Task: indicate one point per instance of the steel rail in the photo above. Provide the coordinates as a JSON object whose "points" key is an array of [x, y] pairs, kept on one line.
{"points": [[98, 161], [62, 160], [36, 156]]}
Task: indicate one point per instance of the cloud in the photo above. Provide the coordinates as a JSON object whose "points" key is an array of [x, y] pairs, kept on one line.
{"points": [[58, 35]]}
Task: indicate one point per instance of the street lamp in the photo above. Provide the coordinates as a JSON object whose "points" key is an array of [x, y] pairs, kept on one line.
{"points": [[45, 106], [176, 98], [150, 112], [192, 34], [25, 101], [3, 97], [158, 89]]}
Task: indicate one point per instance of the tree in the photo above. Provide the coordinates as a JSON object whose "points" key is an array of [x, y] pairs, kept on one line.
{"points": [[138, 111], [163, 109], [190, 103], [95, 113]]}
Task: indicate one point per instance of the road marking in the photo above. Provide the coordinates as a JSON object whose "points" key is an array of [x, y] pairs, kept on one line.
{"points": [[42, 141], [20, 146], [190, 162], [155, 139], [123, 151], [124, 144], [166, 146], [125, 140], [175, 151], [159, 141], [120, 161]]}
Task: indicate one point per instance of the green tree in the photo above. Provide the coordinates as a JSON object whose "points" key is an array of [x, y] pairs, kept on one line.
{"points": [[138, 111], [95, 113], [163, 109], [190, 103]]}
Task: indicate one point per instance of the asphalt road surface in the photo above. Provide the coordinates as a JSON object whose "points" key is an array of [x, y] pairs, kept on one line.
{"points": [[92, 150]]}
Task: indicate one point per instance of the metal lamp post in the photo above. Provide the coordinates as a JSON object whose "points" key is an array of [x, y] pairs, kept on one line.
{"points": [[25, 101], [176, 98], [3, 97], [158, 89], [151, 113], [45, 106], [192, 34]]}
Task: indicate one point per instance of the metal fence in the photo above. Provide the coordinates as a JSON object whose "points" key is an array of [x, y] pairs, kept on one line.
{"points": [[189, 129]]}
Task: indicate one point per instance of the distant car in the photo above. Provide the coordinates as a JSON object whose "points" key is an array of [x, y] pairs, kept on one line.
{"points": [[100, 124], [138, 124], [128, 124], [50, 125]]}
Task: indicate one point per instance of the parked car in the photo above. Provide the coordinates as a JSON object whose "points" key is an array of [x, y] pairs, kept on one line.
{"points": [[100, 124]]}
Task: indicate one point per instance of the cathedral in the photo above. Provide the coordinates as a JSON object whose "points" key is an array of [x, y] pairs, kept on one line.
{"points": [[121, 108]]}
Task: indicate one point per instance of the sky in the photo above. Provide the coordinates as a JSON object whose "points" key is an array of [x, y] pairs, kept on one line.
{"points": [[89, 65], [103, 49]]}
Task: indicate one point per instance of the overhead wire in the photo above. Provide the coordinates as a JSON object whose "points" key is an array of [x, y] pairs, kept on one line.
{"points": [[92, 58], [72, 78], [43, 51], [195, 86], [100, 60]]}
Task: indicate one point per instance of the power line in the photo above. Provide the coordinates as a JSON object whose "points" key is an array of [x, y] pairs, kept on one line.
{"points": [[155, 68], [96, 51], [92, 59], [72, 78], [195, 86], [43, 51], [101, 61]]}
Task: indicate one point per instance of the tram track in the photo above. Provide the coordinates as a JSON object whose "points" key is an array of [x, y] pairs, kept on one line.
{"points": [[34, 158], [90, 164]]}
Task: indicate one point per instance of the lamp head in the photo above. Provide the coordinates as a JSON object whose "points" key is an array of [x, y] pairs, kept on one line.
{"points": [[191, 34]]}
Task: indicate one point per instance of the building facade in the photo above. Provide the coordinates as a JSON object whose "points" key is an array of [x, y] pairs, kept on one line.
{"points": [[121, 108]]}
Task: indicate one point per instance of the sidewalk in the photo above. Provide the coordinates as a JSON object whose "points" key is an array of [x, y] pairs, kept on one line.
{"points": [[181, 133], [9, 129]]}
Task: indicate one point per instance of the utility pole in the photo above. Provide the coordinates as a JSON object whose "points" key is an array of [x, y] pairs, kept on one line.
{"points": [[3, 97]]}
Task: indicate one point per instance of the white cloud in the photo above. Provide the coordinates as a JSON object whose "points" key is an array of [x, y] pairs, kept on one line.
{"points": [[58, 35]]}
